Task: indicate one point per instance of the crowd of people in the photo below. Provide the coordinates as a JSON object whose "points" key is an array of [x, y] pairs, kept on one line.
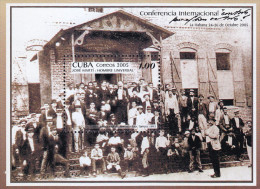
{"points": [[128, 126]]}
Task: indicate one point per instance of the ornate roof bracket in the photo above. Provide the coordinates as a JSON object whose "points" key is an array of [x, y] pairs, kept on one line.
{"points": [[80, 39], [156, 43]]}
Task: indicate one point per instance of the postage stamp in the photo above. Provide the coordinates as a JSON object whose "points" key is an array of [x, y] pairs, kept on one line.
{"points": [[148, 94]]}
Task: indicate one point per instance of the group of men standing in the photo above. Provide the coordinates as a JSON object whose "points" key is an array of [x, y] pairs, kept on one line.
{"points": [[92, 115]]}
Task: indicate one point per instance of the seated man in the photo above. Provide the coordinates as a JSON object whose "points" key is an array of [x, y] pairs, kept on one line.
{"points": [[115, 141], [113, 161], [85, 163], [97, 157], [129, 157]]}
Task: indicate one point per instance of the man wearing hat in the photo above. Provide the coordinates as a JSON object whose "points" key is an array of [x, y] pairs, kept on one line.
{"points": [[44, 139], [141, 119], [192, 103], [194, 151], [147, 102], [138, 87], [156, 118], [237, 125], [149, 115], [53, 152], [214, 146], [30, 151], [248, 132], [212, 106]]}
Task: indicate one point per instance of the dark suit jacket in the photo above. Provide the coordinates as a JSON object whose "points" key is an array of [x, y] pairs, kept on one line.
{"points": [[135, 99], [155, 95], [37, 131], [91, 96], [103, 95], [203, 107], [237, 131], [194, 104], [194, 143], [144, 106], [52, 113], [125, 95]]}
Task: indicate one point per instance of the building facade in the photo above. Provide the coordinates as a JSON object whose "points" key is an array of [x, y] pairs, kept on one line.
{"points": [[212, 61]]}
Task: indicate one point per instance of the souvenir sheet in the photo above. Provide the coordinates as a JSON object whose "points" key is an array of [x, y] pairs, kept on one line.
{"points": [[130, 94]]}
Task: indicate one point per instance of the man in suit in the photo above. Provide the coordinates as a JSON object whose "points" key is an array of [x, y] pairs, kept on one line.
{"points": [[214, 146], [212, 106], [52, 112], [153, 93], [237, 125], [111, 97], [194, 151], [30, 151], [172, 111], [224, 124], [121, 101], [44, 139], [248, 132], [136, 99], [202, 117], [103, 92], [192, 103], [67, 115], [147, 102], [90, 95]]}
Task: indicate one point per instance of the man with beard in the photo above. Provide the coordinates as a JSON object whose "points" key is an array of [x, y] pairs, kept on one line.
{"points": [[172, 110], [103, 93], [121, 100], [111, 97], [91, 95]]}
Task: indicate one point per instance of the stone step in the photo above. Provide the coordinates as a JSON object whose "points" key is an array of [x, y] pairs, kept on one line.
{"points": [[77, 173]]}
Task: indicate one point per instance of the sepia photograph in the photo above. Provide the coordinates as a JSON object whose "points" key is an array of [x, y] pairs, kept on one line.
{"points": [[131, 94]]}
